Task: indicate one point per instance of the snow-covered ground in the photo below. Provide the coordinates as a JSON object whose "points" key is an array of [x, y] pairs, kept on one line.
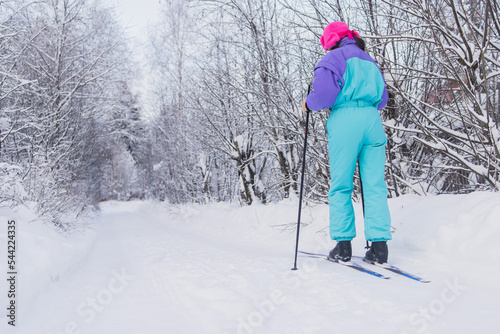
{"points": [[149, 267]]}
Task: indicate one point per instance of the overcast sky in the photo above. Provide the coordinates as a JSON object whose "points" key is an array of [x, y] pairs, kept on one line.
{"points": [[135, 15]]}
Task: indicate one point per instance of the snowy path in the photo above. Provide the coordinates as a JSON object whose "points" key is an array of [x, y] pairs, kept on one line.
{"points": [[154, 269]]}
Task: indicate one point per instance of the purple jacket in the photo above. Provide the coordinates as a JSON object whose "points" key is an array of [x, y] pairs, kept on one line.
{"points": [[345, 75]]}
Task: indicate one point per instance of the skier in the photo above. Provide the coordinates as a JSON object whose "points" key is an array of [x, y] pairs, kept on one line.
{"points": [[350, 84]]}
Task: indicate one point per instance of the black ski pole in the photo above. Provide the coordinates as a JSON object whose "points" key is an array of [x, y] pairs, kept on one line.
{"points": [[361, 190], [362, 199], [301, 184]]}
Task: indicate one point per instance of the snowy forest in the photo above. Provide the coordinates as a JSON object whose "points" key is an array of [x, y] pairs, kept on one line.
{"points": [[218, 117]]}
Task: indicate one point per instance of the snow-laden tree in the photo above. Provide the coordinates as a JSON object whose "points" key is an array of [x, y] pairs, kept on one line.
{"points": [[441, 62], [64, 63], [174, 149], [258, 74]]}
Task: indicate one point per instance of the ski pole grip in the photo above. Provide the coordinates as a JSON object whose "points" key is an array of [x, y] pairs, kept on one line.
{"points": [[308, 92]]}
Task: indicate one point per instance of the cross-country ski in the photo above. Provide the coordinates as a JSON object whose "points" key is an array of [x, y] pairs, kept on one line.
{"points": [[360, 267]]}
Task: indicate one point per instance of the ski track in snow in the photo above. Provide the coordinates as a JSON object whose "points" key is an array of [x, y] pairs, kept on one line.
{"points": [[155, 268]]}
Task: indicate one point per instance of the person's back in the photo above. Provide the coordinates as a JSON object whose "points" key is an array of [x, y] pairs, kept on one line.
{"points": [[356, 77]]}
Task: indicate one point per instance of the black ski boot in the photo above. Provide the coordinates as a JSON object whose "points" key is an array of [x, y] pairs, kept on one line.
{"points": [[378, 252], [342, 251]]}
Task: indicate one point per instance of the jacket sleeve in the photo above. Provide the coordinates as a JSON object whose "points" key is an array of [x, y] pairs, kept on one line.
{"points": [[326, 88], [385, 98]]}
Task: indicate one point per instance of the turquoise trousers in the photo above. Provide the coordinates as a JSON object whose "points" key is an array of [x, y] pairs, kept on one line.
{"points": [[355, 133]]}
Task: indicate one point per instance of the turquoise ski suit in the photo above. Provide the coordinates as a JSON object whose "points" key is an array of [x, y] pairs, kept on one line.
{"points": [[348, 81]]}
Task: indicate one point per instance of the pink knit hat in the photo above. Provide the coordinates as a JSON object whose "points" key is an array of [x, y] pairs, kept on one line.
{"points": [[334, 32]]}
